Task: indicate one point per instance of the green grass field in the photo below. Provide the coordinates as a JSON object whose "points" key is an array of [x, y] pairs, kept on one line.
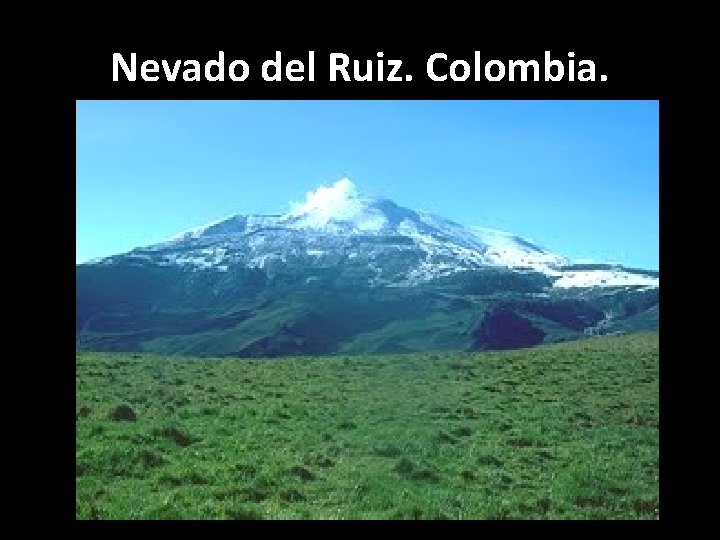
{"points": [[561, 431]]}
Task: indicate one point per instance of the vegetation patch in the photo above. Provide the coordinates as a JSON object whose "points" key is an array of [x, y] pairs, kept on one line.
{"points": [[175, 434], [122, 413]]}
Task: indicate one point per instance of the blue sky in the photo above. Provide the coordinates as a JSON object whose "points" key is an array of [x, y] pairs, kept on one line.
{"points": [[579, 177]]}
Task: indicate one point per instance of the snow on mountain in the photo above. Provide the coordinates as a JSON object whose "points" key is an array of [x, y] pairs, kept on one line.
{"points": [[604, 278], [198, 231], [507, 249], [335, 223]]}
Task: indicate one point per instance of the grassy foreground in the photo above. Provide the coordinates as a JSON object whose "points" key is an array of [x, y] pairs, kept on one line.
{"points": [[561, 431]]}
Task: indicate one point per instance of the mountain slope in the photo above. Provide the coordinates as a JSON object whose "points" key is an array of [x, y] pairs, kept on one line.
{"points": [[342, 272]]}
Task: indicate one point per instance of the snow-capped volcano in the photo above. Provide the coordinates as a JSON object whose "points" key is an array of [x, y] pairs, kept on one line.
{"points": [[336, 226], [342, 272]]}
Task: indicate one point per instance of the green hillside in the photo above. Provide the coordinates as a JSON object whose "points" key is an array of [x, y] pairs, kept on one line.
{"points": [[567, 430], [243, 313]]}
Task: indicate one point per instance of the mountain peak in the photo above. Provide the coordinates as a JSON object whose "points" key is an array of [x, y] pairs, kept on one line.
{"points": [[339, 201], [335, 225], [337, 205]]}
